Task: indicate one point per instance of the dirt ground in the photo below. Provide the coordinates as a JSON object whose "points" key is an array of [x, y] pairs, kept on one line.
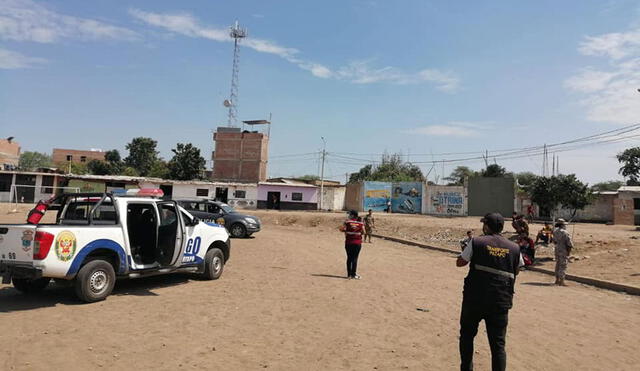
{"points": [[608, 252], [282, 303]]}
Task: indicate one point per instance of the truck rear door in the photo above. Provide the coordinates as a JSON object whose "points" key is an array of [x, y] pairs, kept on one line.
{"points": [[17, 243]]}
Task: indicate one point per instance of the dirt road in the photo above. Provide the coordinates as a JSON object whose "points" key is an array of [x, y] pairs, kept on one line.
{"points": [[282, 304]]}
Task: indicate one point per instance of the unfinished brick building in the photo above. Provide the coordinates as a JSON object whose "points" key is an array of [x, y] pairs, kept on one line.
{"points": [[241, 155], [60, 155]]}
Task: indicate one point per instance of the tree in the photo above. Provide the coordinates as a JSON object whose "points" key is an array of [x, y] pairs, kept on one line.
{"points": [[142, 154], [458, 175], [159, 169], [630, 160], [363, 174], [525, 180], [308, 178], [98, 167], [186, 163], [494, 171], [33, 160], [610, 185], [564, 191], [391, 169], [114, 160]]}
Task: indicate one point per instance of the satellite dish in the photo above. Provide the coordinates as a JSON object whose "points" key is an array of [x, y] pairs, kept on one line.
{"points": [[226, 103]]}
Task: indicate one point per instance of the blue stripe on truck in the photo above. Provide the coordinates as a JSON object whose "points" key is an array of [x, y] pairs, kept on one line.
{"points": [[95, 245]]}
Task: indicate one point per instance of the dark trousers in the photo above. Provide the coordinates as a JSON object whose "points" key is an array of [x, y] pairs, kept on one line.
{"points": [[353, 250], [496, 322]]}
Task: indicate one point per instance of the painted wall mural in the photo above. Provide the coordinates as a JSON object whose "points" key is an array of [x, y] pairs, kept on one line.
{"points": [[376, 195], [407, 198]]}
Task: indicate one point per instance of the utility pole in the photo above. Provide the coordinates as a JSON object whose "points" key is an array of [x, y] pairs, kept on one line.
{"points": [[324, 155]]}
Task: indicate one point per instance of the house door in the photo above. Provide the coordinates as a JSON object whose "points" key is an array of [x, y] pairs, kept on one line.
{"points": [[636, 211], [167, 189], [222, 194], [25, 194], [273, 200]]}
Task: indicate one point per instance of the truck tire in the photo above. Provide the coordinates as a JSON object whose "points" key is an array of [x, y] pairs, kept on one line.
{"points": [[27, 286], [213, 264], [95, 281], [238, 230]]}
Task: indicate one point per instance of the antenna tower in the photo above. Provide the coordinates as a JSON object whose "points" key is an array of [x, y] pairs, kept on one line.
{"points": [[237, 34]]}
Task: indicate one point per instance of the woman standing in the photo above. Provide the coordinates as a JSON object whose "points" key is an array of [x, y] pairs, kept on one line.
{"points": [[353, 230]]}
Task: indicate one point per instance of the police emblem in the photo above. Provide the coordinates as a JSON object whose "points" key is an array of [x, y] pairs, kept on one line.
{"points": [[65, 245], [27, 239]]}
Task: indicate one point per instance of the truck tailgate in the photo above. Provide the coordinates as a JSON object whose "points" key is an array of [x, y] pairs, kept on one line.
{"points": [[17, 242]]}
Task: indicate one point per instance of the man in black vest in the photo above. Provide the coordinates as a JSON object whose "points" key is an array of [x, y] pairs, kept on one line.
{"points": [[488, 290]]}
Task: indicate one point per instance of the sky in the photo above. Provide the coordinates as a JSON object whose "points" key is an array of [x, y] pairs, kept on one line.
{"points": [[432, 80]]}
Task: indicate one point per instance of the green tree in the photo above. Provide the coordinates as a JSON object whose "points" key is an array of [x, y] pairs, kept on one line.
{"points": [[391, 169], [98, 167], [630, 160], [459, 174], [30, 161], [564, 191], [363, 174], [187, 163], [159, 169], [610, 185], [129, 171], [142, 155], [308, 178], [78, 168], [525, 180], [115, 162], [494, 171]]}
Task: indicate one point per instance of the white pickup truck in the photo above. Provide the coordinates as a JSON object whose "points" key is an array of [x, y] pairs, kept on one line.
{"points": [[98, 237]]}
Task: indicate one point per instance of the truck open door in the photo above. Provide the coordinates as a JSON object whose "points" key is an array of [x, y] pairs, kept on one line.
{"points": [[171, 235]]}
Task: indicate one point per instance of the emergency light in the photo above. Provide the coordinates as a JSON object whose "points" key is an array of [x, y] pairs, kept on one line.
{"points": [[138, 192]]}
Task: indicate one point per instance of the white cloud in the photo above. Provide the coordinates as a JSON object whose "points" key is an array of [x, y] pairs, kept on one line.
{"points": [[610, 95], [357, 72], [25, 20], [14, 60], [452, 129]]}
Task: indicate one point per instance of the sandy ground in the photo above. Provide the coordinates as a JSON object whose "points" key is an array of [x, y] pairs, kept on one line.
{"points": [[608, 252], [282, 303]]}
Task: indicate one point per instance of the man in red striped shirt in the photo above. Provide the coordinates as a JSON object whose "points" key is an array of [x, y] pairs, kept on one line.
{"points": [[353, 229]]}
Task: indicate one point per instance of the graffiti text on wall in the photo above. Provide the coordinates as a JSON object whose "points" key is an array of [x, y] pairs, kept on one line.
{"points": [[448, 203]]}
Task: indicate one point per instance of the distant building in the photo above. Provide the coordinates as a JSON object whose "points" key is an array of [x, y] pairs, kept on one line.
{"points": [[77, 156], [9, 154], [240, 155]]}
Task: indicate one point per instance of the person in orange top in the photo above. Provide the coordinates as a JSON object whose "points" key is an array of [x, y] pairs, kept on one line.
{"points": [[353, 230]]}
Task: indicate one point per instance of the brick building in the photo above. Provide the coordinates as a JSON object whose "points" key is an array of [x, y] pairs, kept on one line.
{"points": [[240, 155], [78, 156], [9, 154], [626, 207]]}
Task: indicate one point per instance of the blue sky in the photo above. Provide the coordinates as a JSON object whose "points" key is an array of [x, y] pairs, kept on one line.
{"points": [[417, 77]]}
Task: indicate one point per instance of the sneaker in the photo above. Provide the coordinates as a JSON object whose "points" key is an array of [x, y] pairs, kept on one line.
{"points": [[356, 277]]}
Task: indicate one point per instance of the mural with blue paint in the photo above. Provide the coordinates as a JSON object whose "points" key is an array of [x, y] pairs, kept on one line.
{"points": [[376, 195], [407, 198]]}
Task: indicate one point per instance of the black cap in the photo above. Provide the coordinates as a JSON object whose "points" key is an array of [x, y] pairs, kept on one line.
{"points": [[494, 221], [353, 213]]}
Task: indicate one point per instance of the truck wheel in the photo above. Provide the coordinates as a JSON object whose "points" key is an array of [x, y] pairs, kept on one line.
{"points": [[213, 264], [238, 230], [95, 281], [27, 286]]}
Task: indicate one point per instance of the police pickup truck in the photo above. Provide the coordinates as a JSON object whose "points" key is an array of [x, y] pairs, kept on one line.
{"points": [[98, 237]]}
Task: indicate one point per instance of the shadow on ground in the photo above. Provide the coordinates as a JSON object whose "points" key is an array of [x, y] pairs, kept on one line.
{"points": [[329, 276], [538, 283], [11, 300]]}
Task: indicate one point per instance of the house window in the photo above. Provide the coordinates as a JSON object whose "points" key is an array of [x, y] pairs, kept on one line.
{"points": [[83, 158], [240, 194], [5, 182], [202, 192], [296, 196], [69, 157], [47, 184]]}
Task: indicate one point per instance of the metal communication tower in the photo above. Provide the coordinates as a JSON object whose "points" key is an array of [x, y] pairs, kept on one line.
{"points": [[237, 34]]}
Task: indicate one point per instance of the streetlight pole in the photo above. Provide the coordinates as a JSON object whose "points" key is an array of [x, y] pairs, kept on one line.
{"points": [[324, 154]]}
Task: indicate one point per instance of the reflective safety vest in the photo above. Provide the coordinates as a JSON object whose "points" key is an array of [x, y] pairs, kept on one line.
{"points": [[492, 274], [353, 230]]}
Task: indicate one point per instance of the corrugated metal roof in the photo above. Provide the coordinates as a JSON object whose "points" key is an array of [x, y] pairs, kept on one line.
{"points": [[629, 189]]}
